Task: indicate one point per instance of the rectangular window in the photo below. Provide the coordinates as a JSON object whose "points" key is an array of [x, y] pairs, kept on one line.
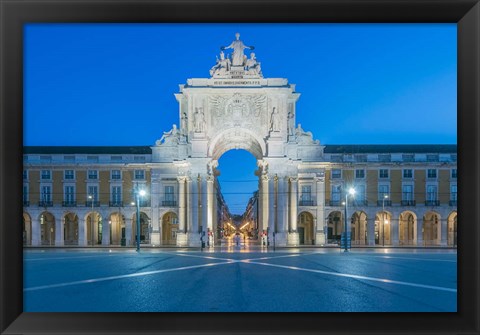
{"points": [[432, 158], [92, 174], [360, 158], [360, 174], [169, 194], [116, 158], [46, 175], [431, 173], [69, 175], [116, 175], [453, 157], [431, 192], [46, 194], [116, 194], [92, 192], [336, 192], [453, 193], [306, 195], [383, 190], [337, 158], [139, 158], [407, 194], [360, 193], [139, 174], [336, 173], [408, 158], [407, 173], [25, 194], [384, 158], [454, 173], [25, 174], [92, 158], [69, 158], [69, 194], [383, 173]]}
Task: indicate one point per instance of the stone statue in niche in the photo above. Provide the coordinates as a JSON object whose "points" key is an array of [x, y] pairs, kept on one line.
{"points": [[252, 65], [238, 47], [291, 123], [199, 120], [222, 66], [304, 137], [169, 137], [275, 122], [183, 123]]}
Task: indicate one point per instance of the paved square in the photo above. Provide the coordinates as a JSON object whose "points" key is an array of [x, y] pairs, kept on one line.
{"points": [[240, 279]]}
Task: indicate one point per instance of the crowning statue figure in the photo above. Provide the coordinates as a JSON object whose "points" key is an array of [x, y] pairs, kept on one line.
{"points": [[170, 137], [223, 65], [199, 120], [238, 47], [253, 67]]}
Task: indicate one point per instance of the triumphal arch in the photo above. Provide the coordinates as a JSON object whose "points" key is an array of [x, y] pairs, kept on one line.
{"points": [[238, 108]]}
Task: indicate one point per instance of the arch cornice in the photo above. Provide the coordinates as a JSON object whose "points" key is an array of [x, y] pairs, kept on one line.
{"points": [[236, 138]]}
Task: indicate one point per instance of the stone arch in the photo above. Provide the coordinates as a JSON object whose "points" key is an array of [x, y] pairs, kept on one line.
{"points": [[236, 138], [383, 228], [93, 228], [116, 228], [47, 228], [431, 228], [144, 228], [452, 229], [407, 228], [305, 228], [358, 228], [169, 228], [335, 226], [27, 229], [70, 228]]}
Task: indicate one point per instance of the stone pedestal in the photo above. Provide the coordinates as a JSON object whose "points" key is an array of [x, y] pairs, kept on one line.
{"points": [[182, 240], [292, 239], [280, 239], [155, 239], [193, 239], [320, 238]]}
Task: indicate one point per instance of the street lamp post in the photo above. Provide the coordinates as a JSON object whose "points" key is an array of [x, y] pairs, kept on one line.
{"points": [[91, 219], [385, 196], [351, 191], [138, 194]]}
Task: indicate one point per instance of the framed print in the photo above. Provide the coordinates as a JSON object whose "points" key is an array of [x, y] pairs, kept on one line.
{"points": [[236, 206]]}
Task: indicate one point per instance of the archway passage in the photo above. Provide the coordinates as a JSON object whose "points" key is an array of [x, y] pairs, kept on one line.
{"points": [[452, 229], [383, 228], [407, 228], [70, 229], [117, 229], [305, 228], [47, 228], [359, 228], [431, 229], [27, 229], [335, 227], [144, 228], [169, 228]]}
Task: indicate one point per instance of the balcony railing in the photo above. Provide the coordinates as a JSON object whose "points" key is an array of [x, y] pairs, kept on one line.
{"points": [[69, 203], [306, 203], [115, 203], [169, 203], [45, 203], [356, 202], [26, 203], [432, 203], [452, 203], [408, 203], [144, 203], [89, 203], [380, 203], [335, 202]]}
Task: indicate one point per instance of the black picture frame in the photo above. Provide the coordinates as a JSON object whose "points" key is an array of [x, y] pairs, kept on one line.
{"points": [[14, 14]]}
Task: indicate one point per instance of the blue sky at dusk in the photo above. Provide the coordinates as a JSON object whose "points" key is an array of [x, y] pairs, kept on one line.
{"points": [[113, 84]]}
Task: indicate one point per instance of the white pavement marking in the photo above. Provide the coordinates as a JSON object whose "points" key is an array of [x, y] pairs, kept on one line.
{"points": [[382, 280], [419, 259], [95, 280]]}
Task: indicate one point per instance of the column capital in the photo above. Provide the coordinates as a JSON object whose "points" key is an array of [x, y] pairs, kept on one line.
{"points": [[210, 179], [265, 178], [182, 179], [319, 179], [293, 179]]}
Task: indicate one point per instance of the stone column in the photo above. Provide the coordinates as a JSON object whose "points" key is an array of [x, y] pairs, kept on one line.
{"points": [[443, 232], [181, 205], [82, 232], [320, 233], [106, 227], [394, 231], [371, 228], [195, 195], [419, 232], [210, 206], [204, 206], [265, 203], [272, 206], [189, 206], [293, 234], [36, 232], [128, 231], [59, 234]]}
